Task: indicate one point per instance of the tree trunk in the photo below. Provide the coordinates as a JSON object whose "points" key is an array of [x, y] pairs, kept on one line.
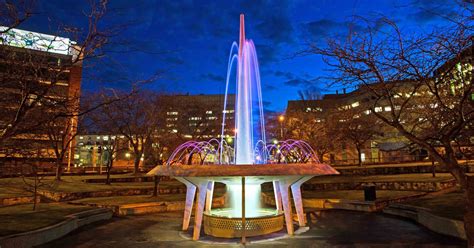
{"points": [[469, 214], [155, 188], [59, 170], [109, 168], [136, 164], [35, 192], [359, 154], [433, 168]]}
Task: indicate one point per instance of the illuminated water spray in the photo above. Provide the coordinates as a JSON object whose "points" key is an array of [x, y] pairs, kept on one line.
{"points": [[248, 90], [250, 146]]}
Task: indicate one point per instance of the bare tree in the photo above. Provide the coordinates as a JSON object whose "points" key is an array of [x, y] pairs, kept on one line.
{"points": [[356, 127], [425, 80], [317, 131], [135, 117]]}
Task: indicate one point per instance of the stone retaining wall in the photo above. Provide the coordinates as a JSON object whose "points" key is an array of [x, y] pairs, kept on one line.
{"points": [[393, 170], [366, 206], [47, 234], [69, 196], [409, 186], [126, 179], [18, 200]]}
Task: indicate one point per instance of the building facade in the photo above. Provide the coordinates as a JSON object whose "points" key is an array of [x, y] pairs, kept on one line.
{"points": [[40, 84]]}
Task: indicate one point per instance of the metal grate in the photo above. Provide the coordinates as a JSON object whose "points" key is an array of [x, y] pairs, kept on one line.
{"points": [[224, 227]]}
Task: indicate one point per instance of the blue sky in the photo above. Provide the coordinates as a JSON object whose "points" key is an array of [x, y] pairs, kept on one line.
{"points": [[188, 41]]}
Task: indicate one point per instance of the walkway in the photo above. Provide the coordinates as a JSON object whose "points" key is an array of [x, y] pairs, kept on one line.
{"points": [[334, 228]]}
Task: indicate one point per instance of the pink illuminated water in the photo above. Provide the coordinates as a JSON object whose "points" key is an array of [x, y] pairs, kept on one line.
{"points": [[248, 98]]}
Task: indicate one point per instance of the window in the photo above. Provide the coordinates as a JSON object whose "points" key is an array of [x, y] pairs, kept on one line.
{"points": [[209, 112], [378, 109], [172, 113], [367, 112], [387, 108], [355, 104]]}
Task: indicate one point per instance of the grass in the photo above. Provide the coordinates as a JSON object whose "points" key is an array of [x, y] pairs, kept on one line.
{"points": [[419, 177], [450, 205], [10, 187], [356, 194], [21, 218]]}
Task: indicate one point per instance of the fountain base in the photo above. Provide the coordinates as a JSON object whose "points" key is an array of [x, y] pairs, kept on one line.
{"points": [[219, 223]]}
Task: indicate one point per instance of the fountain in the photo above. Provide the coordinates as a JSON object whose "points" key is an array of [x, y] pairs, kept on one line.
{"points": [[244, 166]]}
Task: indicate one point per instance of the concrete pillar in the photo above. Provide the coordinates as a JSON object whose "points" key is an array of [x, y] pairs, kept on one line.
{"points": [[286, 206], [201, 201], [276, 190], [209, 193], [297, 198], [190, 194]]}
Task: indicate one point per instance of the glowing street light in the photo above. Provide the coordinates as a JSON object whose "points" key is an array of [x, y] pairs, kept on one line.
{"points": [[281, 118]]}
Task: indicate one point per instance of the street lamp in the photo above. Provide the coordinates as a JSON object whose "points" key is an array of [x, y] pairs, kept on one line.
{"points": [[281, 118]]}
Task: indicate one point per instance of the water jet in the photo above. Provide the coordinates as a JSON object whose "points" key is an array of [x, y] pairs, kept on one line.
{"points": [[244, 166]]}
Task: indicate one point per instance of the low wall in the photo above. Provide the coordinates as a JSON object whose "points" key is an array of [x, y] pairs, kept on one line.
{"points": [[126, 179], [69, 196], [50, 233], [454, 228], [356, 205], [9, 201], [394, 170], [409, 186], [150, 207]]}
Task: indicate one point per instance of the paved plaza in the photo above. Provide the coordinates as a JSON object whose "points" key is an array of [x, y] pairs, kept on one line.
{"points": [[334, 228]]}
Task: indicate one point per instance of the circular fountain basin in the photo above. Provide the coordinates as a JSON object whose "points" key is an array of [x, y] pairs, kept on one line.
{"points": [[223, 223]]}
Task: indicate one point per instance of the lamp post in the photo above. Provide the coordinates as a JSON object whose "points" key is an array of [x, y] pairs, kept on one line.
{"points": [[281, 119]]}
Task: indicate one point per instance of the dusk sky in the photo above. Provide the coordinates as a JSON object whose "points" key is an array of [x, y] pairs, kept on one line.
{"points": [[189, 41]]}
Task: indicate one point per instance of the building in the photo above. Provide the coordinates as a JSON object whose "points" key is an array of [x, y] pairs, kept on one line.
{"points": [[389, 145], [181, 118], [40, 78], [94, 150], [197, 116]]}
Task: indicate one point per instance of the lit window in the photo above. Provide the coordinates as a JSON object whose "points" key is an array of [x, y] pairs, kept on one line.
{"points": [[397, 107], [81, 137], [368, 111], [105, 138], [356, 104], [209, 112], [172, 113], [387, 108], [174, 131], [228, 111], [378, 109]]}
